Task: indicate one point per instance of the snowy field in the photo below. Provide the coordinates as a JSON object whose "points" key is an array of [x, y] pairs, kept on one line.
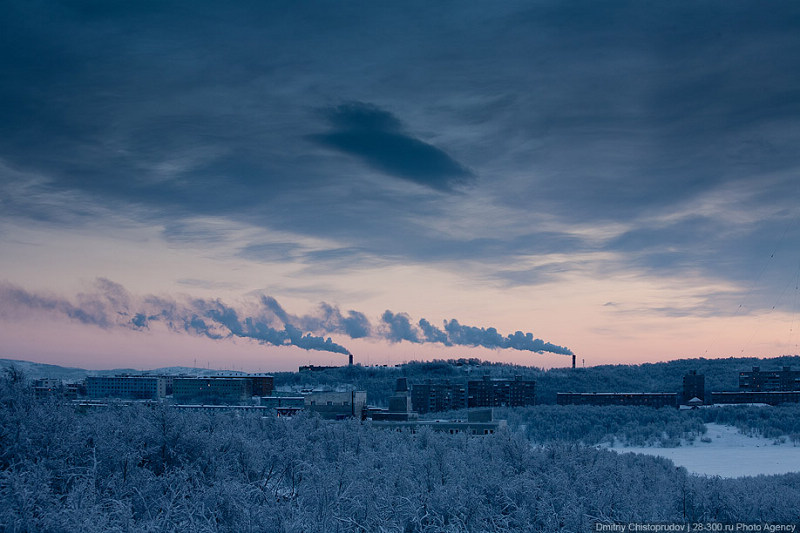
{"points": [[729, 454]]}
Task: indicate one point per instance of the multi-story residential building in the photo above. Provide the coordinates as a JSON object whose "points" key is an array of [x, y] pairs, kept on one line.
{"points": [[694, 386], [212, 390], [501, 392], [126, 387], [445, 396], [221, 389], [785, 379], [263, 385], [431, 397]]}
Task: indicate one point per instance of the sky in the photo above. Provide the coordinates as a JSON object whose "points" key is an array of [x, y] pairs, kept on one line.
{"points": [[258, 185]]}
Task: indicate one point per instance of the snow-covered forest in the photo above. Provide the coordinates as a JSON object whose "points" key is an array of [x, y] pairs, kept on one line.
{"points": [[638, 426], [141, 468]]}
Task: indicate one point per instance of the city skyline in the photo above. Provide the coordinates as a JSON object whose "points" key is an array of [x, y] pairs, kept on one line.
{"points": [[266, 186]]}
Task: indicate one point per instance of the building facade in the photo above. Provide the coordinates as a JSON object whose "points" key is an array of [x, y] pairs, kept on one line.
{"points": [[432, 397], [757, 380], [501, 392], [649, 399], [126, 387], [478, 422], [760, 397], [212, 390], [48, 388], [694, 386], [337, 405]]}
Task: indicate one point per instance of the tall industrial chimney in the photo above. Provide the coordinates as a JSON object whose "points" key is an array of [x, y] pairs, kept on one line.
{"points": [[350, 360], [573, 360]]}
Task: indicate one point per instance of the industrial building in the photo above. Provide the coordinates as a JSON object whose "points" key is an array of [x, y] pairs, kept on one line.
{"points": [[400, 409], [126, 387], [785, 379], [431, 397], [337, 405], [278, 401]]}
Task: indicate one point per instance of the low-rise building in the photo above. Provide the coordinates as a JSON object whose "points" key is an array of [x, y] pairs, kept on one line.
{"points": [[760, 397], [478, 422], [649, 399], [48, 388], [283, 401]]}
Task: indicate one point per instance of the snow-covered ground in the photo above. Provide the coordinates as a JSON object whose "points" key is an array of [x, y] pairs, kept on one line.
{"points": [[729, 454]]}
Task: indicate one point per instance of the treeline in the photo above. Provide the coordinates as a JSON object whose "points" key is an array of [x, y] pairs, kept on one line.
{"points": [[145, 469], [591, 426], [645, 426], [588, 425], [640, 426], [780, 422]]}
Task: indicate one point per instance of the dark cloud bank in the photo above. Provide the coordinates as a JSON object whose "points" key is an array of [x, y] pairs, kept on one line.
{"points": [[110, 305], [376, 137], [587, 112]]}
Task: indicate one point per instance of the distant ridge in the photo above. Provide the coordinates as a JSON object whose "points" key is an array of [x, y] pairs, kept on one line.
{"points": [[42, 370]]}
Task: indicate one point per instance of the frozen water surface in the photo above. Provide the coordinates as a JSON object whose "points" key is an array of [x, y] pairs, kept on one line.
{"points": [[729, 454]]}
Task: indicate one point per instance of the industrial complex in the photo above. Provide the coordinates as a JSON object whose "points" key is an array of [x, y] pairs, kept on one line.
{"points": [[245, 391]]}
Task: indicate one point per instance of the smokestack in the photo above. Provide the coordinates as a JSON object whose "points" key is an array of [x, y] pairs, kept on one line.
{"points": [[350, 359], [573, 360]]}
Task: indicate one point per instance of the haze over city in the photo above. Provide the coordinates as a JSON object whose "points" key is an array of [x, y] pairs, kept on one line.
{"points": [[258, 186]]}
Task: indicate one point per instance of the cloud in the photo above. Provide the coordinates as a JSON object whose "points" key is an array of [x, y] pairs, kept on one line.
{"points": [[375, 136], [584, 117]]}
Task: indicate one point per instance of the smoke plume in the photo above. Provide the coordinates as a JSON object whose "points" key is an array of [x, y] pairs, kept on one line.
{"points": [[398, 328], [110, 305]]}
